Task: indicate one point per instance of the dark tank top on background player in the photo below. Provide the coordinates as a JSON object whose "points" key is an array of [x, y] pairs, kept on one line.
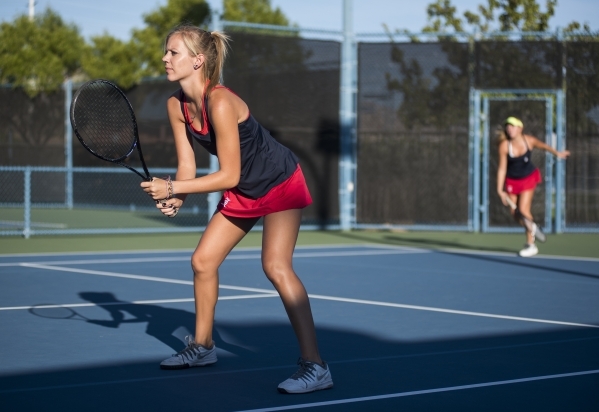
{"points": [[520, 166], [265, 163]]}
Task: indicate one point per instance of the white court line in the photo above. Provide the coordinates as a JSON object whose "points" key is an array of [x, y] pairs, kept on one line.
{"points": [[140, 277], [134, 302], [230, 257], [452, 311], [252, 370], [423, 392], [325, 246], [322, 297], [154, 251]]}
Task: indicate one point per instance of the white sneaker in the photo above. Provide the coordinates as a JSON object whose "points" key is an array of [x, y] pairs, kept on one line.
{"points": [[529, 250], [193, 355], [309, 377]]}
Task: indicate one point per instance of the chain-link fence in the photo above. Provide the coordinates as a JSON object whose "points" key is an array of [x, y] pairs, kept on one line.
{"points": [[582, 123], [415, 156], [412, 160], [291, 85]]}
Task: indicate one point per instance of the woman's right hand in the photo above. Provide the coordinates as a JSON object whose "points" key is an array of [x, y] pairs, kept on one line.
{"points": [[502, 195]]}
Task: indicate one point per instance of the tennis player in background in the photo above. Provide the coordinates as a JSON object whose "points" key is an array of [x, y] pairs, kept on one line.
{"points": [[259, 177], [517, 176]]}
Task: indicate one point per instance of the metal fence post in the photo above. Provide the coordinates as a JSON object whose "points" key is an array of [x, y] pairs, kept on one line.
{"points": [[27, 202], [474, 168], [548, 165], [347, 117], [484, 203], [68, 143], [214, 197], [560, 169]]}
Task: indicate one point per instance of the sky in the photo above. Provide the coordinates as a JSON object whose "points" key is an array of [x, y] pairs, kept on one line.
{"points": [[118, 17]]}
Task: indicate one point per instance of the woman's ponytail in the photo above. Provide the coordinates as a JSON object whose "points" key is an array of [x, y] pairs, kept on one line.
{"points": [[221, 48]]}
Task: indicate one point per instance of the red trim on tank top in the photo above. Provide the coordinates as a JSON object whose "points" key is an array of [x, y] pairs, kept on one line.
{"points": [[204, 130]]}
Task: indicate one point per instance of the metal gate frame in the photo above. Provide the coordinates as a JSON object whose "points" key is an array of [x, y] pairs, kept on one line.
{"points": [[554, 120]]}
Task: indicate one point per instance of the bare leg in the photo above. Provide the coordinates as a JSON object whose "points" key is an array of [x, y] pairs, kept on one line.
{"points": [[524, 205], [220, 237], [278, 242]]}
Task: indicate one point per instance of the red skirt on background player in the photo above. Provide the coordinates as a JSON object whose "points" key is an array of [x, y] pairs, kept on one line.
{"points": [[293, 193], [517, 186]]}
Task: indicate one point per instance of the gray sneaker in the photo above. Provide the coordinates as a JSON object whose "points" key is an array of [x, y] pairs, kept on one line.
{"points": [[193, 355], [309, 377]]}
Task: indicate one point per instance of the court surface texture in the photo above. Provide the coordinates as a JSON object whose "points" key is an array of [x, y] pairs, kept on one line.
{"points": [[401, 328]]}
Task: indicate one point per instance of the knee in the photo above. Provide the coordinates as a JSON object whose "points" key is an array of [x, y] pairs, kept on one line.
{"points": [[276, 270], [202, 266]]}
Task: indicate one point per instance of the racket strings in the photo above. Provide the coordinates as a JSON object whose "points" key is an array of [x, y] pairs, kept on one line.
{"points": [[105, 121]]}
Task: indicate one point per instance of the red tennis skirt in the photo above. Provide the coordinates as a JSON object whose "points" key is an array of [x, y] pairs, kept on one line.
{"points": [[517, 186], [293, 193]]}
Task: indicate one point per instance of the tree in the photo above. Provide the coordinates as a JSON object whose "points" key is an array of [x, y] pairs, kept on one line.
{"points": [[38, 55], [260, 51], [511, 15], [149, 41], [254, 11], [498, 64], [112, 59]]}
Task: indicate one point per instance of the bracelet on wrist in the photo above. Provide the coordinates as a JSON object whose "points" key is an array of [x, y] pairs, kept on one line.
{"points": [[169, 188]]}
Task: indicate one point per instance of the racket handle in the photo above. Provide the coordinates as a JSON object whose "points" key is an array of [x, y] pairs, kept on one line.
{"points": [[510, 202]]}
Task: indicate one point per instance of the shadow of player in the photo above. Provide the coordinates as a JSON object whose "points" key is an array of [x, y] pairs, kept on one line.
{"points": [[168, 325]]}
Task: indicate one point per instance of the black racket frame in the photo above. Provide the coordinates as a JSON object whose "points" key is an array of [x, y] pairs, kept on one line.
{"points": [[136, 142]]}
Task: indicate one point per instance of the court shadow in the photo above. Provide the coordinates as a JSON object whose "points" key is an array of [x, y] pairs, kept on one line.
{"points": [[398, 240], [431, 374], [168, 325], [529, 263]]}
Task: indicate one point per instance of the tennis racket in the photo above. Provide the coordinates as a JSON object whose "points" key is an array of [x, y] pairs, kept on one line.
{"points": [[530, 225], [56, 312], [104, 122]]}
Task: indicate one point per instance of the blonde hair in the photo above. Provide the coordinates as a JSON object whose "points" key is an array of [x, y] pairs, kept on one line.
{"points": [[501, 136], [213, 45]]}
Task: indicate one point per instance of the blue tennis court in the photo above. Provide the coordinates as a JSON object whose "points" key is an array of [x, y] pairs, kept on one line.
{"points": [[402, 329]]}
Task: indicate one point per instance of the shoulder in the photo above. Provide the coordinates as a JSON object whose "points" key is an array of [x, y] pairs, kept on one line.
{"points": [[175, 97], [503, 146], [173, 104], [222, 101], [531, 140]]}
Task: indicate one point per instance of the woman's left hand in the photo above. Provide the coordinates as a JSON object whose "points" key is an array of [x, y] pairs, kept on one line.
{"points": [[170, 207], [156, 188], [563, 155]]}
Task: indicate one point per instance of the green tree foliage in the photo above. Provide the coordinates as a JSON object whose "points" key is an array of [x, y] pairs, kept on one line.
{"points": [[438, 99], [254, 11], [149, 41], [259, 52], [496, 15], [441, 16], [112, 59], [496, 64], [38, 55]]}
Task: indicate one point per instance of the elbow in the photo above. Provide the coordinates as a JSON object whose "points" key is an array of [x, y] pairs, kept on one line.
{"points": [[231, 181], [235, 181]]}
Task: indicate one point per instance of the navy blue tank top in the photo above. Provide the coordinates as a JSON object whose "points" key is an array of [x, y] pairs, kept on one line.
{"points": [[520, 166], [265, 163]]}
